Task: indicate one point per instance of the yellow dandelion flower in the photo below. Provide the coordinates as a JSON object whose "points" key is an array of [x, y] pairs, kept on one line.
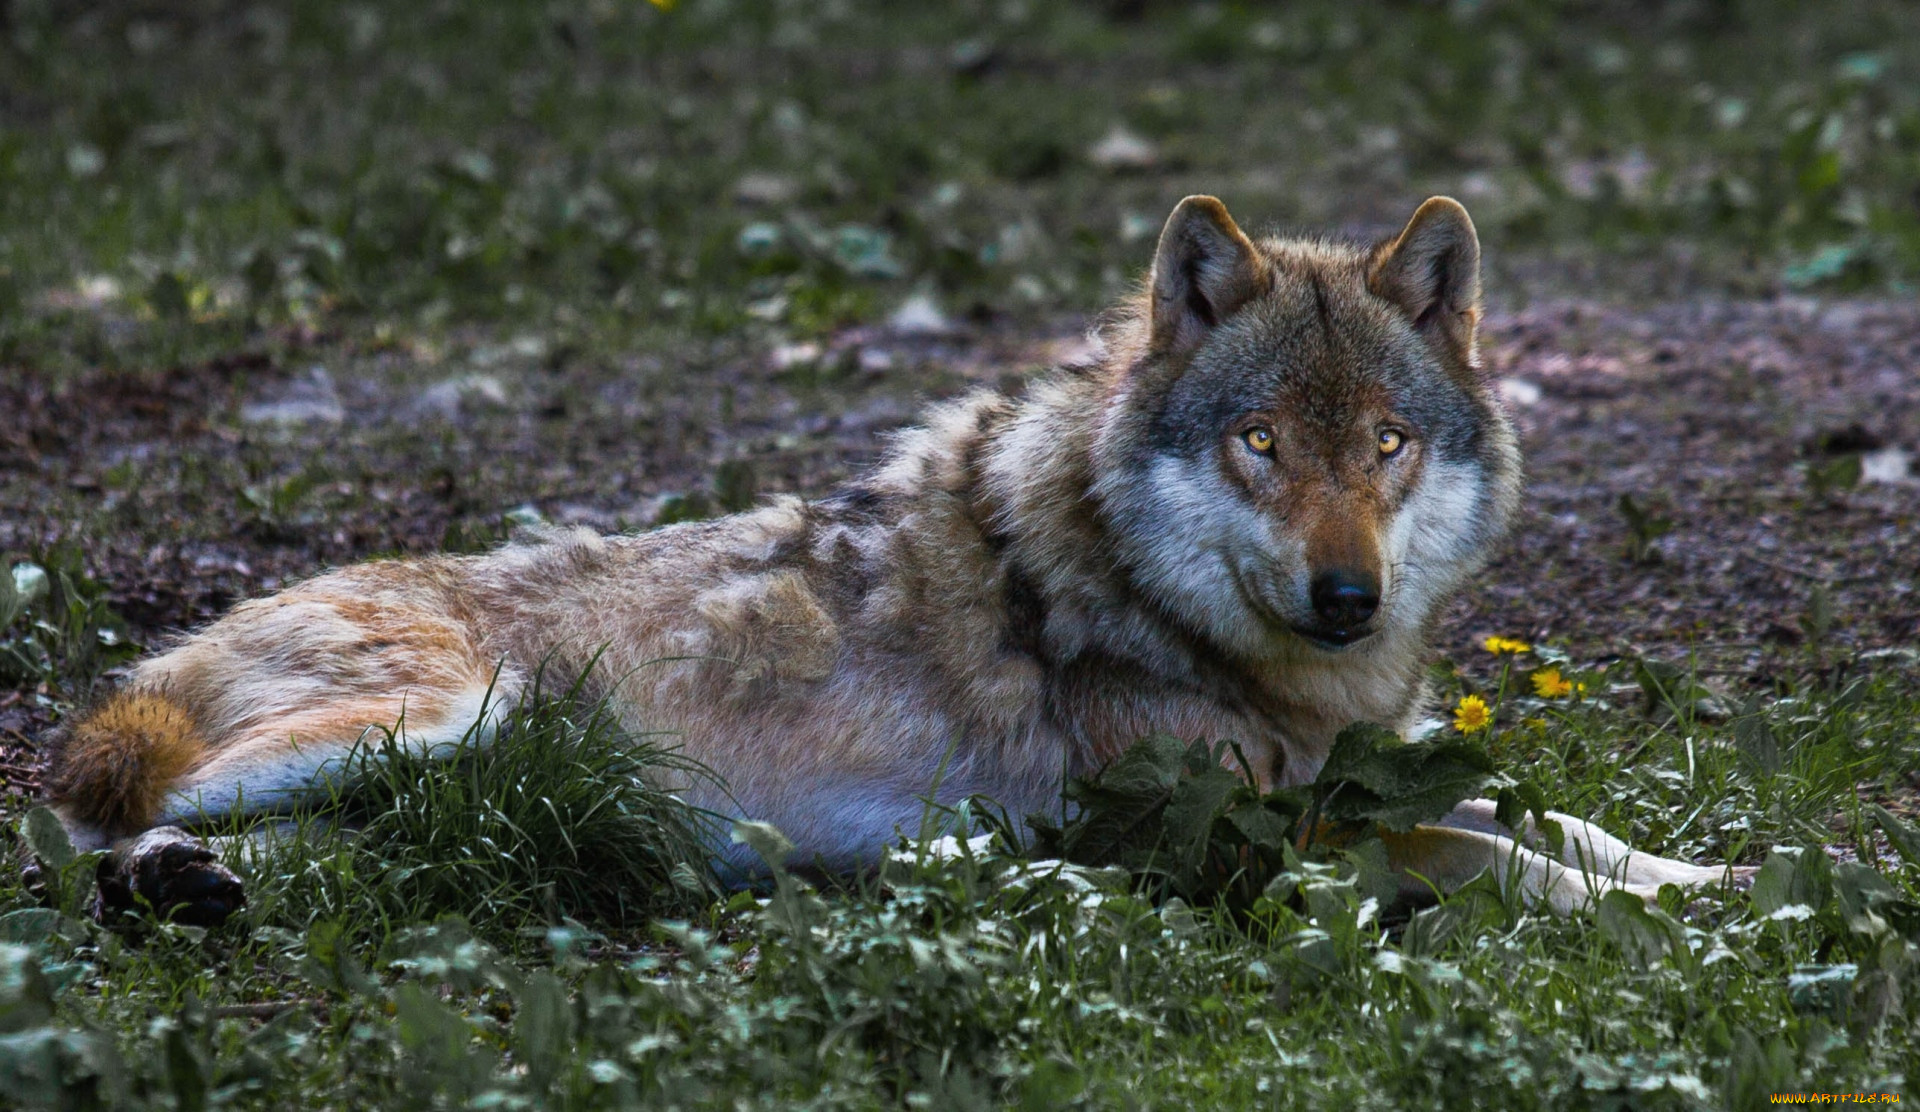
{"points": [[1471, 715], [1505, 645], [1548, 683]]}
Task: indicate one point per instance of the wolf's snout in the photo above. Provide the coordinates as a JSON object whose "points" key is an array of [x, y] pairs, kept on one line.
{"points": [[1343, 600]]}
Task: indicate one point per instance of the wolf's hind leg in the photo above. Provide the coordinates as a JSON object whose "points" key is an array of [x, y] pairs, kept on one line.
{"points": [[290, 760], [301, 759], [272, 773], [261, 712]]}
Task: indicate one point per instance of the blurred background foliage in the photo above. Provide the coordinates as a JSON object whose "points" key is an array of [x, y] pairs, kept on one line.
{"points": [[608, 168]]}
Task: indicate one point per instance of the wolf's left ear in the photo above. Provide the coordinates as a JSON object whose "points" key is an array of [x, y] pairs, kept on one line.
{"points": [[1431, 270], [1204, 270]]}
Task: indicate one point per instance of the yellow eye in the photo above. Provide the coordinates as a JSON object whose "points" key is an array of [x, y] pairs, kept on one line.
{"points": [[1390, 442], [1260, 440]]}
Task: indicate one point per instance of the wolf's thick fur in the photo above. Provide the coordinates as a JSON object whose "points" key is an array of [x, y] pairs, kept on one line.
{"points": [[1240, 525]]}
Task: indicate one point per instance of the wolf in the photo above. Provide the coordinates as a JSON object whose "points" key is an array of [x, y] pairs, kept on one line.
{"points": [[1241, 523]]}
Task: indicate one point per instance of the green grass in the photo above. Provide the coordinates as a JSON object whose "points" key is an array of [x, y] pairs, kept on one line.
{"points": [[571, 818]]}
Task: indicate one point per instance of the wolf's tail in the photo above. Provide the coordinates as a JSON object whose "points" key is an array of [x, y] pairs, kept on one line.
{"points": [[112, 767]]}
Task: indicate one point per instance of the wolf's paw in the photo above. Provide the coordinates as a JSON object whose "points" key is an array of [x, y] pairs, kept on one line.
{"points": [[173, 873], [1702, 895]]}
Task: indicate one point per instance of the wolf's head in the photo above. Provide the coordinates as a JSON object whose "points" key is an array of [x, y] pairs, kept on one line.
{"points": [[1299, 450]]}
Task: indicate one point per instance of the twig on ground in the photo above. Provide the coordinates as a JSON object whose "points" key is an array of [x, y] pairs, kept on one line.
{"points": [[264, 1008], [1818, 577]]}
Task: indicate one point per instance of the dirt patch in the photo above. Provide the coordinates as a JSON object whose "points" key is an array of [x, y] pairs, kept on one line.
{"points": [[1710, 416]]}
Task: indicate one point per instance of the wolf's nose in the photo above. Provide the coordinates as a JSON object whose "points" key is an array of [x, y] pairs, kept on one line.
{"points": [[1343, 600]]}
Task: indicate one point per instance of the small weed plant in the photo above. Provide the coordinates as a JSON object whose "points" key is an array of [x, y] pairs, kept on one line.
{"points": [[57, 633], [565, 816]]}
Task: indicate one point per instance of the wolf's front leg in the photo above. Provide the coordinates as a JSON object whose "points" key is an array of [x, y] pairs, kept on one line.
{"points": [[1590, 849], [1430, 858], [1589, 864]]}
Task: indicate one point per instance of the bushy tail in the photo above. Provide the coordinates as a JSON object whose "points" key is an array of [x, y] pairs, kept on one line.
{"points": [[112, 767]]}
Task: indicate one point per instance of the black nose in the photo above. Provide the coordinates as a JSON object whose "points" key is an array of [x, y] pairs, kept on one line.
{"points": [[1344, 600]]}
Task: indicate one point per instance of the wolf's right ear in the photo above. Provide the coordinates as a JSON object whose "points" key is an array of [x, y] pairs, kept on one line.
{"points": [[1204, 269], [1431, 270]]}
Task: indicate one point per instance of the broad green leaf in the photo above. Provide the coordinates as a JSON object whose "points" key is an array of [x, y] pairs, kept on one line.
{"points": [[1262, 828], [1756, 1070], [1197, 801], [542, 1028], [1861, 892], [1399, 785], [11, 604], [1792, 876], [186, 1073], [39, 925], [26, 999], [1147, 770], [1122, 806], [1410, 810], [436, 1039], [47, 838], [1821, 989], [330, 961], [1053, 1083], [1645, 935], [1903, 838], [1352, 747], [1373, 874], [766, 840], [1758, 746]]}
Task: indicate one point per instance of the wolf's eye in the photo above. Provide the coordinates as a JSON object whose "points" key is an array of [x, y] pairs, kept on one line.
{"points": [[1391, 442], [1260, 440]]}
